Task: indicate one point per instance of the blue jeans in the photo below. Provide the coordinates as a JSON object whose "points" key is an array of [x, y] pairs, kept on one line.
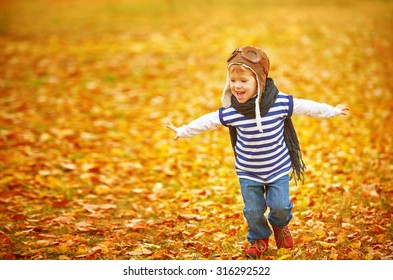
{"points": [[255, 206]]}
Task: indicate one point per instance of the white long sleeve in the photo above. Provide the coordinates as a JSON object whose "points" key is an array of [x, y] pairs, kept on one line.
{"points": [[209, 121], [314, 109]]}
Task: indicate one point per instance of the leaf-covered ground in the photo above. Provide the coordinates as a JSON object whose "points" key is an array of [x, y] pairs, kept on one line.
{"points": [[89, 171]]}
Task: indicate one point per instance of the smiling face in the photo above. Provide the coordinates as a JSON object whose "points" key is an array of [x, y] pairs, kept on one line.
{"points": [[242, 83]]}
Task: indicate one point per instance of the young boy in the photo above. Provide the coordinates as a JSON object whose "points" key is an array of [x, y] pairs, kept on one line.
{"points": [[264, 141]]}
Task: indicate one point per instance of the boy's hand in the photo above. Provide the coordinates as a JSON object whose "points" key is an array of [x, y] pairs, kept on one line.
{"points": [[344, 109], [173, 128]]}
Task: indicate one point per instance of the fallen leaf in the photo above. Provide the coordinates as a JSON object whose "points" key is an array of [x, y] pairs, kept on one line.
{"points": [[321, 233], [140, 252], [325, 244], [5, 240], [284, 257], [68, 166], [189, 217], [380, 238]]}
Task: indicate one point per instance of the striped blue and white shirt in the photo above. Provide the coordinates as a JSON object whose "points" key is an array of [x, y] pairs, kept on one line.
{"points": [[260, 156]]}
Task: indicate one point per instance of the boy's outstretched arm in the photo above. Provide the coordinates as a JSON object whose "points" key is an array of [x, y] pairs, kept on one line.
{"points": [[208, 121], [318, 110], [173, 128]]}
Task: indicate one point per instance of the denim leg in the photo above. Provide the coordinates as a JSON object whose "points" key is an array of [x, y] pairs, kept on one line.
{"points": [[277, 199], [254, 209]]}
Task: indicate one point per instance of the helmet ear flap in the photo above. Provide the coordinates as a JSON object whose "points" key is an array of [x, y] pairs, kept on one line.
{"points": [[265, 62]]}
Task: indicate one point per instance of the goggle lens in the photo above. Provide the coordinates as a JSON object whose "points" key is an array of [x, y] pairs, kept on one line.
{"points": [[247, 53]]}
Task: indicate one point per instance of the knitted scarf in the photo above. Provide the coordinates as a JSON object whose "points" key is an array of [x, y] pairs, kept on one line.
{"points": [[268, 98]]}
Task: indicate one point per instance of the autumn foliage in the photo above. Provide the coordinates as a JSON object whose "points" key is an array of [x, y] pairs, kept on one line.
{"points": [[89, 171]]}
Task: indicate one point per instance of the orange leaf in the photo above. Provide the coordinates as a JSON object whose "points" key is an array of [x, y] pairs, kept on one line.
{"points": [[5, 239]]}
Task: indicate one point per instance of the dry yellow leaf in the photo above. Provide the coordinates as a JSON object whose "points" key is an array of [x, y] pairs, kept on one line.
{"points": [[356, 244], [284, 257], [139, 252], [320, 232], [325, 244]]}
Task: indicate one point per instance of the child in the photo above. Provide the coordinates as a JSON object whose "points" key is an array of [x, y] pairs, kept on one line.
{"points": [[264, 141]]}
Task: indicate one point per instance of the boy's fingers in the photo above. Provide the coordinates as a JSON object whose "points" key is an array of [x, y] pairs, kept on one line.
{"points": [[173, 128], [344, 110]]}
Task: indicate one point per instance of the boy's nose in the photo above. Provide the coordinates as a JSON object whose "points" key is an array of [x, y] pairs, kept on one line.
{"points": [[238, 85]]}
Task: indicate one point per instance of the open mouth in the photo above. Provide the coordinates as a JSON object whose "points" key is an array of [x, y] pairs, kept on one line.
{"points": [[240, 94]]}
